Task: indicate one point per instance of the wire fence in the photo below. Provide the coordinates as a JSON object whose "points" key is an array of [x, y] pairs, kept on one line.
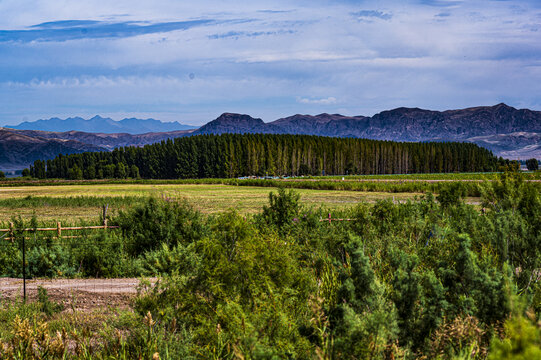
{"points": [[83, 266], [88, 266], [87, 269]]}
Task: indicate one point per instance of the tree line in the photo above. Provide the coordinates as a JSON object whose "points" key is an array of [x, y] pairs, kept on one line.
{"points": [[235, 155]]}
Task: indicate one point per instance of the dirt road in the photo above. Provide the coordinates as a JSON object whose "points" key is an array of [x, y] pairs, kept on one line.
{"points": [[79, 294]]}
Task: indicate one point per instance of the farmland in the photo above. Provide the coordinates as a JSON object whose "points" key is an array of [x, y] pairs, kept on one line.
{"points": [[83, 202], [75, 201]]}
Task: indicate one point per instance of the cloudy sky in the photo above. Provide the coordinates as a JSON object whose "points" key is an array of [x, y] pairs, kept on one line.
{"points": [[190, 61]]}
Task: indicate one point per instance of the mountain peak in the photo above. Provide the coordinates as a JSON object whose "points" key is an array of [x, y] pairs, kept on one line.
{"points": [[236, 117], [503, 106], [97, 117], [232, 123]]}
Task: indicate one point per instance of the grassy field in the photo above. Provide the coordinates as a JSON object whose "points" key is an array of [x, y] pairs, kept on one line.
{"points": [[72, 203], [434, 177], [76, 201]]}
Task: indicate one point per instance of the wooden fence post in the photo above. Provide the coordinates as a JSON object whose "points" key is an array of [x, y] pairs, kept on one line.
{"points": [[330, 218], [59, 230], [105, 216], [11, 230]]}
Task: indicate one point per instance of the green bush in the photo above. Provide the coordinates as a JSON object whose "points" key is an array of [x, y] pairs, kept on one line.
{"points": [[522, 341], [156, 222], [49, 260], [47, 306], [103, 255], [283, 210]]}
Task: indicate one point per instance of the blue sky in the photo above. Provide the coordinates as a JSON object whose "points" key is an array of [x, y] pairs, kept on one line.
{"points": [[191, 61]]}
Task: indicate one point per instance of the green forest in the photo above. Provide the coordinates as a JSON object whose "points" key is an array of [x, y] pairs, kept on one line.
{"points": [[426, 279], [234, 155]]}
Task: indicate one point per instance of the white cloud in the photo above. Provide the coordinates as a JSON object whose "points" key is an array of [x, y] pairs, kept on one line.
{"points": [[326, 101]]}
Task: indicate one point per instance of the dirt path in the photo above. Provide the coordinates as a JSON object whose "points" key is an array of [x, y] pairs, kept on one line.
{"points": [[78, 294]]}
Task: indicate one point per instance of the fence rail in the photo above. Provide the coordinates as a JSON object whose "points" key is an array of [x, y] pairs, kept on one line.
{"points": [[58, 230], [329, 219]]}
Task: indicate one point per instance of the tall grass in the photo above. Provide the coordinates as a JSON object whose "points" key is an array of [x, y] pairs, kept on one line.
{"points": [[409, 183], [71, 201]]}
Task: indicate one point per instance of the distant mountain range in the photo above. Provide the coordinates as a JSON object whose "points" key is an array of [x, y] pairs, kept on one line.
{"points": [[508, 132], [402, 124], [102, 125]]}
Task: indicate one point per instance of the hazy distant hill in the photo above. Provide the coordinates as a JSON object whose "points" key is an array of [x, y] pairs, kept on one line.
{"points": [[108, 141], [102, 125], [17, 150]]}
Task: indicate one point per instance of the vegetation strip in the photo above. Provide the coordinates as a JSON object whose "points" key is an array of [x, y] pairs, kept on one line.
{"points": [[435, 278]]}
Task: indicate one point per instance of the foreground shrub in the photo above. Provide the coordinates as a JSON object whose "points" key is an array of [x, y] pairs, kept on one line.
{"points": [[158, 222], [249, 295], [103, 254], [522, 341], [283, 210]]}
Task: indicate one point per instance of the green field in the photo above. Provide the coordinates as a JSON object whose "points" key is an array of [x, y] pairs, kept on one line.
{"points": [[72, 203], [75, 201]]}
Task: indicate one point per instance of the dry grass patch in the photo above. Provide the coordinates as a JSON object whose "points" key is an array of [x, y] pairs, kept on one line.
{"points": [[208, 199]]}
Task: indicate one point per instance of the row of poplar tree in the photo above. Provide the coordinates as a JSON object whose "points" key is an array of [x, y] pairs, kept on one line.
{"points": [[234, 155]]}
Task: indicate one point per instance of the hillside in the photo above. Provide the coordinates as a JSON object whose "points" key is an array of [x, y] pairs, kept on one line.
{"points": [[108, 141], [523, 145], [18, 150]]}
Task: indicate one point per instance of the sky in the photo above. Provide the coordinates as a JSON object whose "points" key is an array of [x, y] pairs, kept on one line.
{"points": [[190, 61]]}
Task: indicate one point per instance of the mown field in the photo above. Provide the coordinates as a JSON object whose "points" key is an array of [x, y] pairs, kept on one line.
{"points": [[72, 202], [76, 201]]}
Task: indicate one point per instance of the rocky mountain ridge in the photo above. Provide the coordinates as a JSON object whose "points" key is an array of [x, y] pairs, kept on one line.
{"points": [[494, 127], [401, 124]]}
